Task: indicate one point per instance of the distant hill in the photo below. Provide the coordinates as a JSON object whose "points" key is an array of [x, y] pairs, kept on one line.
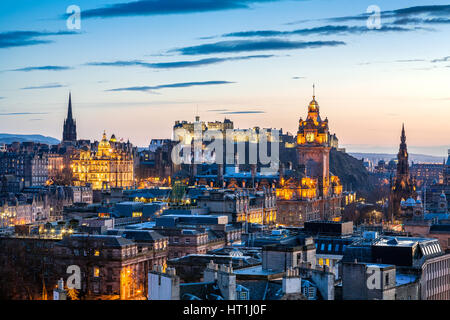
{"points": [[351, 172], [10, 138], [416, 158]]}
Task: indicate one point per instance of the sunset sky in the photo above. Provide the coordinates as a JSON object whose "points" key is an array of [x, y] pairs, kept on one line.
{"points": [[135, 67]]}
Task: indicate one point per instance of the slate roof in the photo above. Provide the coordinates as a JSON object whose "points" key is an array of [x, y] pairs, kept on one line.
{"points": [[440, 228], [137, 235], [112, 241]]}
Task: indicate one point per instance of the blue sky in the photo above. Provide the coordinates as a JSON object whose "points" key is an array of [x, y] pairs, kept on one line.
{"points": [[135, 67]]}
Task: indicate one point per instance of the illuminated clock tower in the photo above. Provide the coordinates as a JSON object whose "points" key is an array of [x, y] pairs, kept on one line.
{"points": [[313, 151]]}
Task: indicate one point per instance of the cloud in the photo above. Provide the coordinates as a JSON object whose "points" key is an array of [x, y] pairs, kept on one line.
{"points": [[410, 60], [297, 78], [21, 113], [323, 30], [253, 45], [45, 86], [174, 64], [444, 59], [409, 15], [165, 7], [217, 110], [43, 68], [171, 85], [243, 112], [27, 38]]}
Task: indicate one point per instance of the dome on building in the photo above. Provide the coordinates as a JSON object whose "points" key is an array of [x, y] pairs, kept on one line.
{"points": [[410, 202], [313, 105]]}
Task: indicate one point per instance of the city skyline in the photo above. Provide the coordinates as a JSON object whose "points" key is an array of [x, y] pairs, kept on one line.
{"points": [[135, 83]]}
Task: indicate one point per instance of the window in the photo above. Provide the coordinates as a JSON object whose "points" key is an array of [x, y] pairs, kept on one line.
{"points": [[337, 247], [327, 262], [329, 247], [96, 272], [96, 253], [322, 247], [244, 295], [386, 279], [175, 240], [321, 261], [187, 240]]}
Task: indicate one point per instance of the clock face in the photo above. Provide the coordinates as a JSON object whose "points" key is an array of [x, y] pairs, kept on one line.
{"points": [[310, 137]]}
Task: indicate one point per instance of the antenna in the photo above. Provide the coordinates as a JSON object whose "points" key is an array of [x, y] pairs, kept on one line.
{"points": [[314, 90]]}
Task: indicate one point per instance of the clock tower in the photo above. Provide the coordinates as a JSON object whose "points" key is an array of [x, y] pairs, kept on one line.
{"points": [[313, 150]]}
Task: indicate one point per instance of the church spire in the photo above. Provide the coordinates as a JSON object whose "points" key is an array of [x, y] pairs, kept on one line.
{"points": [[403, 137], [70, 127], [403, 165], [69, 111]]}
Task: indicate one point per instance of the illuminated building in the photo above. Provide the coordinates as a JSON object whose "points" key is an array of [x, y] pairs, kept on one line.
{"points": [[109, 165], [189, 126], [309, 191], [244, 205], [403, 187], [313, 151], [28, 166], [427, 173]]}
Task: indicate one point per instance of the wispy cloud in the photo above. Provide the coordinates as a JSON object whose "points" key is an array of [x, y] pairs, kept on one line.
{"points": [[444, 59], [322, 30], [171, 85], [434, 61], [43, 68], [243, 112], [425, 15], [253, 45], [27, 38], [174, 64], [165, 7], [410, 60], [21, 113], [45, 86]]}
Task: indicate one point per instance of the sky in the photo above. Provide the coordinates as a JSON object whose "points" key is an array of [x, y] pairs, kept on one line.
{"points": [[134, 68]]}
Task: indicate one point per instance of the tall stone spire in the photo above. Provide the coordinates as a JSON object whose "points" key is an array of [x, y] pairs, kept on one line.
{"points": [[403, 165], [403, 187], [69, 111], [70, 127]]}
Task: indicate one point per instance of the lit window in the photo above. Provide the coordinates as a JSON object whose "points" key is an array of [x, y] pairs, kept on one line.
{"points": [[327, 262], [97, 253], [321, 261], [96, 272]]}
